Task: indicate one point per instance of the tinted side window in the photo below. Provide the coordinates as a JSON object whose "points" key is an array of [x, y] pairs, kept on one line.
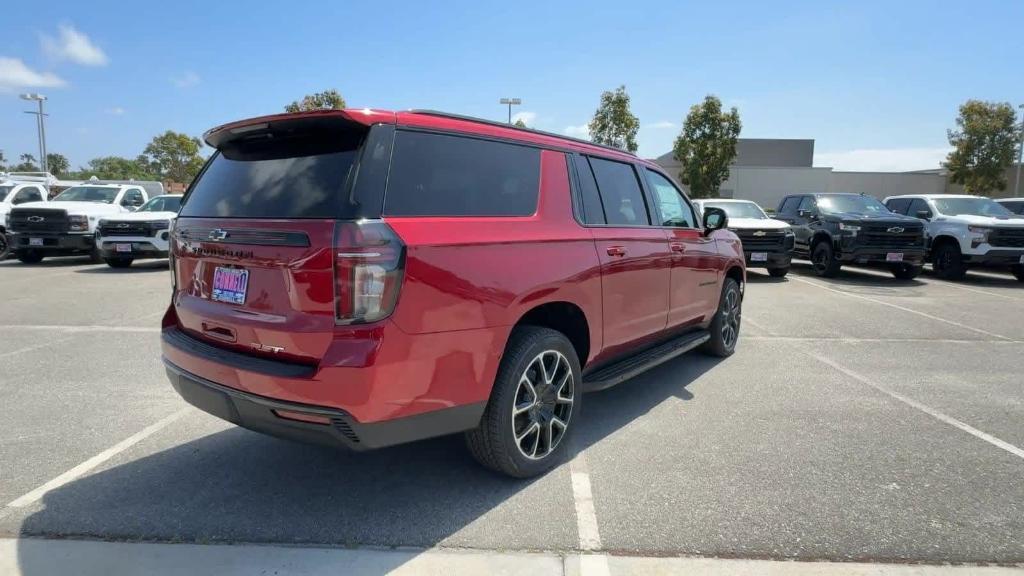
{"points": [[898, 205], [807, 203], [789, 205], [28, 194], [593, 212], [918, 205], [1015, 207], [674, 209], [621, 194], [441, 175]]}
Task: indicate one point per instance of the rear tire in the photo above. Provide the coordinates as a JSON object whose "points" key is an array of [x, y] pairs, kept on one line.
{"points": [[118, 262], [906, 271], [725, 328], [95, 256], [29, 256], [824, 260], [526, 426], [778, 272], [948, 263], [5, 248]]}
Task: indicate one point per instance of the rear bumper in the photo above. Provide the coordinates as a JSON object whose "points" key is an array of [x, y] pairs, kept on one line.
{"points": [[259, 413], [53, 243], [142, 246]]}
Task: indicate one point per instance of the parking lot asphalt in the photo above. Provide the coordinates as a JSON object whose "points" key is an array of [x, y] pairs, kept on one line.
{"points": [[861, 418]]}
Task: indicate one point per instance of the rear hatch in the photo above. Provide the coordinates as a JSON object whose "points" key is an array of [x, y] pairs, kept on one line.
{"points": [[255, 242]]}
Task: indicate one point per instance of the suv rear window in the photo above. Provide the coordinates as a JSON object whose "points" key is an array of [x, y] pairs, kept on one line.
{"points": [[442, 175], [299, 177]]}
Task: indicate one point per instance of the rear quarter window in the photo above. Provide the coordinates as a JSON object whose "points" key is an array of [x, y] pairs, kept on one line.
{"points": [[444, 175]]}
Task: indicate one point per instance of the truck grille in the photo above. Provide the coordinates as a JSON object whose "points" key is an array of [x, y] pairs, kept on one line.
{"points": [[1006, 237], [887, 236], [114, 228], [764, 240], [39, 220]]}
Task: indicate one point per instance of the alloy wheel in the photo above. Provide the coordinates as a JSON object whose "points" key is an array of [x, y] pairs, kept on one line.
{"points": [[731, 313], [543, 404], [3, 246]]}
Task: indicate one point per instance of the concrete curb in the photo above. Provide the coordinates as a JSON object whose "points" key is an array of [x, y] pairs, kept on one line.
{"points": [[37, 557]]}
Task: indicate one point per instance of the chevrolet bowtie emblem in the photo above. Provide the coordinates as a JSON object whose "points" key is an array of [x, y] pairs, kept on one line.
{"points": [[36, 218], [218, 234], [760, 233], [895, 230]]}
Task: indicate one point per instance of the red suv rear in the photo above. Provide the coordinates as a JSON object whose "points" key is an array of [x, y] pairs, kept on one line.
{"points": [[367, 278]]}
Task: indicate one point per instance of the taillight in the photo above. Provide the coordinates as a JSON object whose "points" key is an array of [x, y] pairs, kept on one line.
{"points": [[369, 259], [170, 258]]}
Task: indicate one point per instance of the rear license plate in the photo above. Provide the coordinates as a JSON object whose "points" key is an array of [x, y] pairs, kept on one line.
{"points": [[35, 241], [229, 285], [122, 247], [894, 257], [758, 256]]}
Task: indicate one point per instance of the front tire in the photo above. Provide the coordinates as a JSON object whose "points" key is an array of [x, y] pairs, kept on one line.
{"points": [[95, 256], [29, 256], [1018, 271], [948, 263], [535, 401], [725, 328], [5, 248], [778, 272], [906, 271], [118, 262], [824, 260]]}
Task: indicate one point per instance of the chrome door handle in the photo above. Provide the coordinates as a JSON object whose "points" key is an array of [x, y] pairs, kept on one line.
{"points": [[616, 251], [677, 247]]}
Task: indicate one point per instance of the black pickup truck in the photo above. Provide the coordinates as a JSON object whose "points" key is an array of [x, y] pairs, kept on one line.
{"points": [[833, 229]]}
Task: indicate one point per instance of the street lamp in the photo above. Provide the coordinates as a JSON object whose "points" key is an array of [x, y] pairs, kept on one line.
{"points": [[40, 126], [1020, 153], [511, 102]]}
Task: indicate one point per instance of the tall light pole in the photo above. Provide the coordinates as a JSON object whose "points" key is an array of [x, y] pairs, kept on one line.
{"points": [[40, 126], [1020, 153], [511, 102]]}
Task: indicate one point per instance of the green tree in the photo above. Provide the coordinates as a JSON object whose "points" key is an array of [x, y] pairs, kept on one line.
{"points": [[326, 100], [57, 164], [3, 161], [173, 156], [519, 123], [28, 164], [116, 168], [707, 146], [984, 145], [613, 124]]}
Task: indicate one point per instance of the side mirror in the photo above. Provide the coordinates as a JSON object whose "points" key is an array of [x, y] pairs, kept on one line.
{"points": [[714, 219], [924, 214], [809, 214]]}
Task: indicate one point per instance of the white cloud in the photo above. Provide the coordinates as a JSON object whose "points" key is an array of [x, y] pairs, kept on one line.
{"points": [[15, 74], [883, 160], [186, 80], [661, 125], [115, 111], [581, 131], [74, 46], [528, 118]]}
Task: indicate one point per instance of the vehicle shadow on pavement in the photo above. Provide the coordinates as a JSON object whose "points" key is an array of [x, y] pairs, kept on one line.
{"points": [[239, 486], [135, 268], [759, 277], [60, 262], [874, 277]]}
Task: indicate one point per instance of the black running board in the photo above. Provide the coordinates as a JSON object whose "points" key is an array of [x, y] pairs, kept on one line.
{"points": [[623, 370]]}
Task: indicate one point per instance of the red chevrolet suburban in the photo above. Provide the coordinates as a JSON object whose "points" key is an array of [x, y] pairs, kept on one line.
{"points": [[366, 278]]}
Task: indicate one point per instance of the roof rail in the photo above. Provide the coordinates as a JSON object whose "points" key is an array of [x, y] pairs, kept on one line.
{"points": [[514, 127]]}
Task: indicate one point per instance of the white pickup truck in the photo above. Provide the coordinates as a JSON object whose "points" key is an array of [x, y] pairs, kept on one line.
{"points": [[144, 233], [14, 192], [67, 224], [966, 231]]}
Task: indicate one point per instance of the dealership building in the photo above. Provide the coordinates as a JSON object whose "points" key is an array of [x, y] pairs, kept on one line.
{"points": [[766, 169]]}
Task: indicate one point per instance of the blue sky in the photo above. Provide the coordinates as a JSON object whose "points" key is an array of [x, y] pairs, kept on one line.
{"points": [[875, 83]]}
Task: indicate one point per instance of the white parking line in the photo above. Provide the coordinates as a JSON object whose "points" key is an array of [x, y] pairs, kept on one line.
{"points": [[909, 310], [90, 464], [79, 328], [922, 407], [845, 340], [586, 518], [22, 350], [976, 290]]}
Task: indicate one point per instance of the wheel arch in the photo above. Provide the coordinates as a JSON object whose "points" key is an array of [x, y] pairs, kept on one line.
{"points": [[565, 317]]}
